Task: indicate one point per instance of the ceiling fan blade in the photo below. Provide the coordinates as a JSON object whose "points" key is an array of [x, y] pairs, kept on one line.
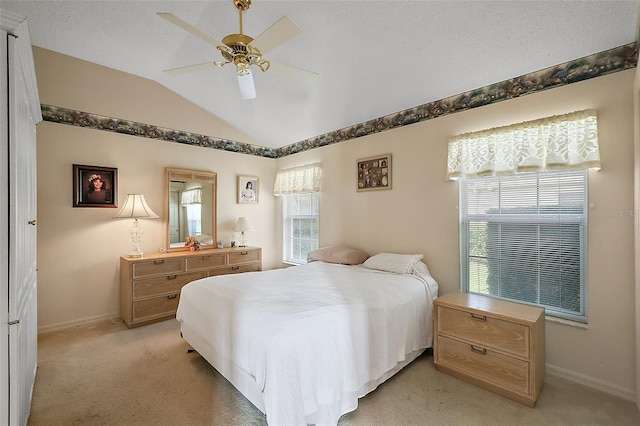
{"points": [[280, 32], [190, 28], [292, 72], [190, 68]]}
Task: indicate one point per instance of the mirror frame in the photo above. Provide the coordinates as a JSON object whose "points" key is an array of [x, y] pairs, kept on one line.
{"points": [[185, 175]]}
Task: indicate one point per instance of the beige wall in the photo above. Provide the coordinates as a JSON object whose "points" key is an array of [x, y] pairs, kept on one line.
{"points": [[420, 215], [79, 248]]}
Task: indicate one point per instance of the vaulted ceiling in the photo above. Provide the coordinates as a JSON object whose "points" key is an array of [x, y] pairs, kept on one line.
{"points": [[373, 58]]}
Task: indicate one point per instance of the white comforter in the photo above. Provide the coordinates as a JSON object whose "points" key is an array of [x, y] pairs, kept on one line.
{"points": [[316, 336]]}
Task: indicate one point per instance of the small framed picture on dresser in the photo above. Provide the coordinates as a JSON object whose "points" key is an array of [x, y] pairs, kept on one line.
{"points": [[95, 186], [374, 173]]}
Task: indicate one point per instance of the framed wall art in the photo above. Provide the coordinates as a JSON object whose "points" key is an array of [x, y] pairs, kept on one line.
{"points": [[95, 186], [248, 189], [374, 173]]}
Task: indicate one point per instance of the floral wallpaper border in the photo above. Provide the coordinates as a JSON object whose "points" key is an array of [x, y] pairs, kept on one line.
{"points": [[599, 64]]}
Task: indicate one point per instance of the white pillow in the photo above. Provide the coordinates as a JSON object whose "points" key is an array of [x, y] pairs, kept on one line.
{"points": [[393, 262]]}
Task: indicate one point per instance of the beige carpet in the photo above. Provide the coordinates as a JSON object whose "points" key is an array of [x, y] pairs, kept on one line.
{"points": [[107, 374]]}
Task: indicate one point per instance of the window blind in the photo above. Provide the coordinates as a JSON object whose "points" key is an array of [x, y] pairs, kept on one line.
{"points": [[524, 238]]}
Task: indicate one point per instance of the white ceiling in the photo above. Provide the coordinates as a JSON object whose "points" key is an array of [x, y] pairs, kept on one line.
{"points": [[373, 57]]}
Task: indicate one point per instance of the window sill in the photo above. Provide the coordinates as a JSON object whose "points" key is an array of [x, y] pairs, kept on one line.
{"points": [[568, 322]]}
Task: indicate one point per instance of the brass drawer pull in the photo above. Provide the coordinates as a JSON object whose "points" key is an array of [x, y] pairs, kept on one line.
{"points": [[235, 268], [478, 317], [158, 262], [244, 253], [172, 277], [480, 351], [172, 296]]}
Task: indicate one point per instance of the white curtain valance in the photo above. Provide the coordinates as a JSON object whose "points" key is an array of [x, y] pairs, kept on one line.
{"points": [[191, 196], [561, 142], [298, 180]]}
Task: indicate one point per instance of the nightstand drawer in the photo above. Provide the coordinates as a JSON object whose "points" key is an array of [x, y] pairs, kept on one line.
{"points": [[165, 284], [484, 364], [244, 256], [158, 267], [491, 332], [156, 307], [205, 261]]}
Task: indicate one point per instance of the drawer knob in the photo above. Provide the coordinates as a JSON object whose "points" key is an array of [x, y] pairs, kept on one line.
{"points": [[172, 277], [172, 296], [479, 317], [481, 351], [235, 268]]}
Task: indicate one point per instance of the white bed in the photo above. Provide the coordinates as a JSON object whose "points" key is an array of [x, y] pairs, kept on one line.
{"points": [[304, 343]]}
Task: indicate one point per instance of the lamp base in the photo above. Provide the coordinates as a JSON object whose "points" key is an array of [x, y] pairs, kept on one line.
{"points": [[136, 238]]}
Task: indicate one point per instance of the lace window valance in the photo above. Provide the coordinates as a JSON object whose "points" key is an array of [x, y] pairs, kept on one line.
{"points": [[562, 142], [298, 180], [191, 196]]}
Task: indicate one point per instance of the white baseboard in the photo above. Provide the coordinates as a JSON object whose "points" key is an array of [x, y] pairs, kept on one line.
{"points": [[77, 323], [601, 385]]}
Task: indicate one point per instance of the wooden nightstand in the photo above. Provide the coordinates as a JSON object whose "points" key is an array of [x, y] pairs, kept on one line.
{"points": [[150, 286], [495, 344]]}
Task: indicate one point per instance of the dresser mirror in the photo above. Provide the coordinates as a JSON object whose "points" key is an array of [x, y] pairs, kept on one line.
{"points": [[190, 209]]}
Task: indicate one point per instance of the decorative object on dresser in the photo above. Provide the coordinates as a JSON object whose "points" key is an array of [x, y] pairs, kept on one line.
{"points": [[374, 173], [150, 287], [492, 343], [136, 207], [242, 226]]}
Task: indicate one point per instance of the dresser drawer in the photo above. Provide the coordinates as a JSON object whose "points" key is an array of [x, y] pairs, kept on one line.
{"points": [[244, 256], [482, 363], [490, 332], [156, 307], [250, 267], [158, 267], [205, 261], [164, 284]]}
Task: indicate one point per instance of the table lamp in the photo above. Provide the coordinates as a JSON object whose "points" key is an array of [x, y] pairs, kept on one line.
{"points": [[243, 225], [135, 207]]}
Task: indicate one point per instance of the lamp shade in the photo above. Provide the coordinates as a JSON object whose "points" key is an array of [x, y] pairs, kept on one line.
{"points": [[243, 224], [135, 206]]}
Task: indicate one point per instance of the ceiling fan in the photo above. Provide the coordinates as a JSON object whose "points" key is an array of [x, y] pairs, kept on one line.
{"points": [[244, 51]]}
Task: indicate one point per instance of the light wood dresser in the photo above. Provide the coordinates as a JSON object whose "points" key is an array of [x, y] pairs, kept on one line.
{"points": [[495, 344], [150, 286]]}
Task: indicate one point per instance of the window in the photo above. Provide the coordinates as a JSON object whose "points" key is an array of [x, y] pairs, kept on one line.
{"points": [[300, 226], [524, 237]]}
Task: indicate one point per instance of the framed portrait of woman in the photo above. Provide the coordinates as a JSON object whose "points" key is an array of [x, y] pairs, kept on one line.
{"points": [[95, 186], [248, 189]]}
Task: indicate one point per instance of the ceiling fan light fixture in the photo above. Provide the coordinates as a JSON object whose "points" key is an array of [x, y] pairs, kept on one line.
{"points": [[246, 84]]}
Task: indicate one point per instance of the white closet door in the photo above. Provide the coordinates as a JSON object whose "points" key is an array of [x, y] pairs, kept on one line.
{"points": [[23, 114]]}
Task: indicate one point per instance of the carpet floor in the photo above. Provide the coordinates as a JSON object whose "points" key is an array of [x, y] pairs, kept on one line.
{"points": [[106, 374]]}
